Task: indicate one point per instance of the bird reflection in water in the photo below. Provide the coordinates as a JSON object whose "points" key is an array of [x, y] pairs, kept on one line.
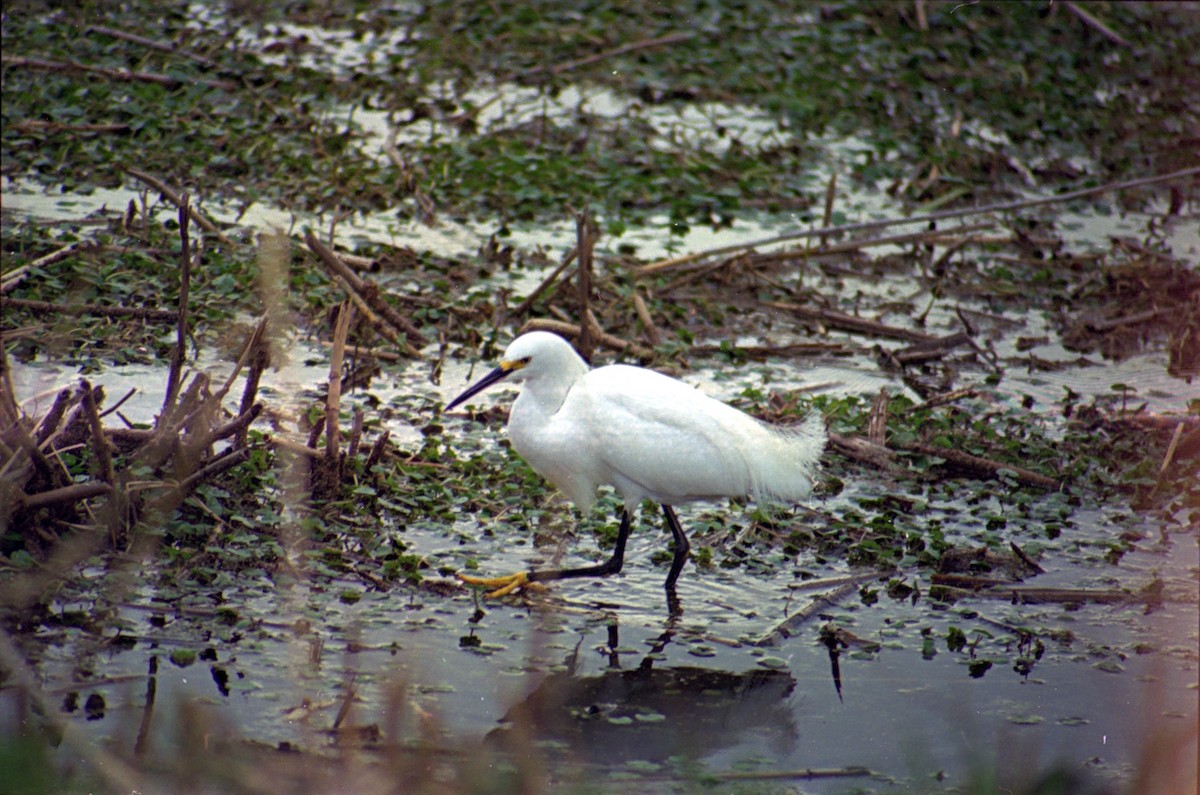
{"points": [[651, 713]]}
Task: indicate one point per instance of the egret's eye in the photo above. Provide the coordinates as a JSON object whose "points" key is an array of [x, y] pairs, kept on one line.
{"points": [[525, 360]]}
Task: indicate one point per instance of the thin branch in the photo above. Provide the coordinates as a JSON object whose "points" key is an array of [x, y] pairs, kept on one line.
{"points": [[154, 45], [571, 330], [175, 372], [121, 75], [670, 38], [1095, 23], [177, 199], [793, 622], [921, 219], [93, 309]]}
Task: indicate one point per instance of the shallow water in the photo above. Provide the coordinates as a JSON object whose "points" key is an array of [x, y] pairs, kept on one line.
{"points": [[696, 687], [598, 667]]}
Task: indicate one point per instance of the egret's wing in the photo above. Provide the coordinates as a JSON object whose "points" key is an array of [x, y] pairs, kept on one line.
{"points": [[663, 438]]}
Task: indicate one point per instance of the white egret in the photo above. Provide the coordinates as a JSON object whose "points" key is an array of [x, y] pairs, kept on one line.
{"points": [[645, 434]]}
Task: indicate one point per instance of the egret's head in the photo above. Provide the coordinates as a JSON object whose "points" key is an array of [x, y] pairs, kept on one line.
{"points": [[538, 354]]}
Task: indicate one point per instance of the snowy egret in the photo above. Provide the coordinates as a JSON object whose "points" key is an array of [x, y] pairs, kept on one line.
{"points": [[645, 434]]}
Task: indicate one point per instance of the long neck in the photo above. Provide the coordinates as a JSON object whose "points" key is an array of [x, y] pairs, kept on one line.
{"points": [[542, 397]]}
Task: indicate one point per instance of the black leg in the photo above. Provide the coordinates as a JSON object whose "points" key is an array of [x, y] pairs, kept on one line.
{"points": [[610, 566], [681, 546]]}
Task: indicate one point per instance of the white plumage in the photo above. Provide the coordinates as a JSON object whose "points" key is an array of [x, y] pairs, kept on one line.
{"points": [[647, 435]]}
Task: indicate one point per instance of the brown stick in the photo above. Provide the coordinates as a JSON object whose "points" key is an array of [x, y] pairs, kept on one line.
{"points": [[1095, 23], [175, 372], [877, 419], [981, 467], [154, 45], [845, 322], [923, 219], [49, 422], [931, 349], [121, 75], [524, 306], [15, 276], [584, 244], [947, 397], [670, 38], [643, 313], [1127, 320], [867, 452], [367, 291], [93, 309], [830, 195], [604, 338], [1033, 596], [67, 494], [853, 771], [53, 127], [177, 199], [333, 400], [115, 508], [793, 622]]}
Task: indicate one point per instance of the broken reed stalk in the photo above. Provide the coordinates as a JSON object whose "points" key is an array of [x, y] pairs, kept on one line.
{"points": [[208, 63], [585, 241], [178, 199], [525, 305], [175, 372], [572, 331], [115, 506], [830, 195], [981, 467], [648, 328], [15, 276], [784, 629], [140, 312], [333, 401], [943, 215], [854, 323], [877, 418], [120, 75], [366, 296]]}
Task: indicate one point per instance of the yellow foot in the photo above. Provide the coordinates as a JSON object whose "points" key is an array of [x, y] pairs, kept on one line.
{"points": [[503, 585]]}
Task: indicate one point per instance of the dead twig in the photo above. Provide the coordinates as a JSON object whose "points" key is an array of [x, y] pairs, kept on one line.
{"points": [[1095, 23], [877, 419], [54, 127], [853, 323], [175, 371], [14, 277], [788, 626], [366, 295], [867, 452], [1002, 207], [585, 242], [120, 75], [525, 305], [648, 328], [572, 331], [935, 348], [660, 41], [981, 467], [67, 495], [178, 199], [142, 313], [155, 45]]}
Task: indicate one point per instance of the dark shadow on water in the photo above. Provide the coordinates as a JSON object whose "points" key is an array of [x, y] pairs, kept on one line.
{"points": [[650, 713]]}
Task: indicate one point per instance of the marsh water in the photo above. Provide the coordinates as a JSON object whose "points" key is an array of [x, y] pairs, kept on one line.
{"points": [[594, 682], [612, 686]]}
